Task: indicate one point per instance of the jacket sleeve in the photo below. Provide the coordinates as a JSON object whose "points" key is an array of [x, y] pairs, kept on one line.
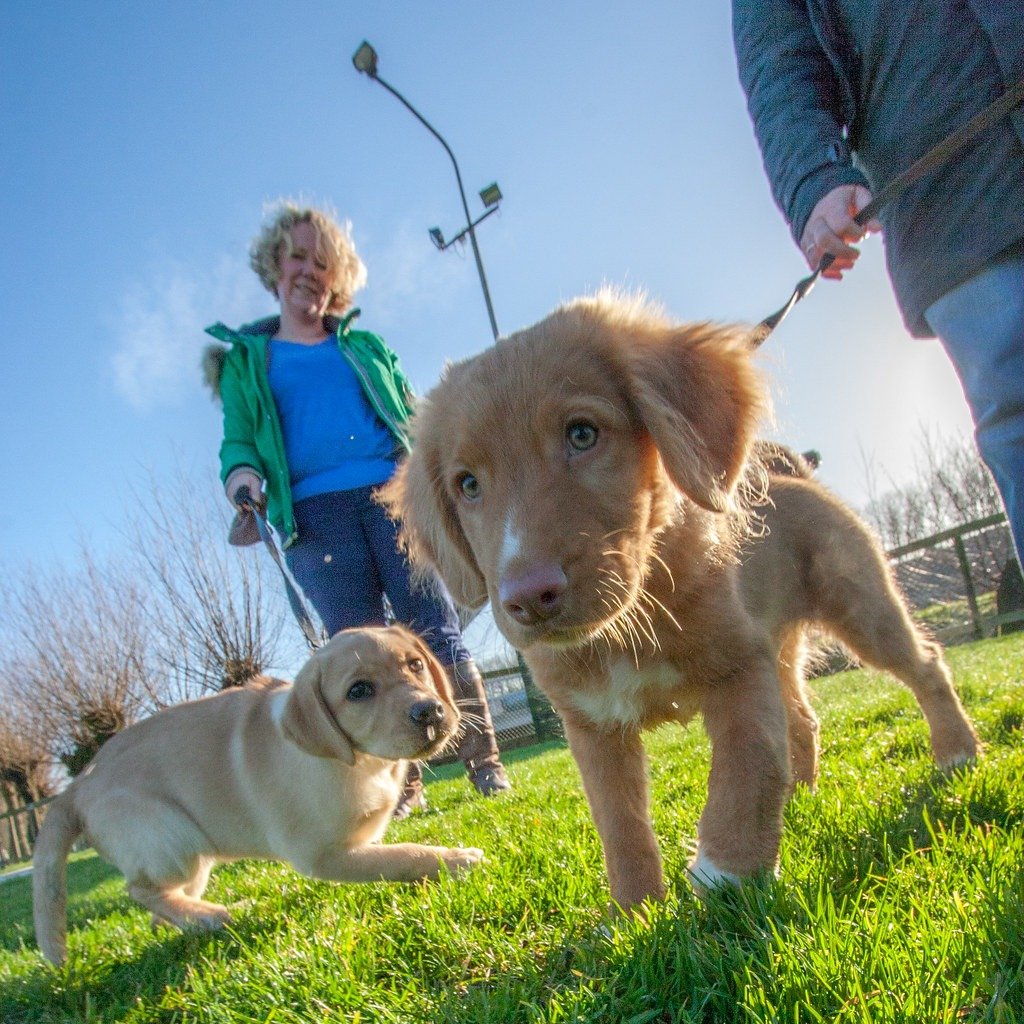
{"points": [[794, 99], [403, 385], [403, 388], [239, 445]]}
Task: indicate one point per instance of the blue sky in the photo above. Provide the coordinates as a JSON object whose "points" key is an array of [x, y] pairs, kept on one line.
{"points": [[142, 141]]}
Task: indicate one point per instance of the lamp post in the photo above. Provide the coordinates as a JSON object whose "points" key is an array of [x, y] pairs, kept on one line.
{"points": [[365, 61], [545, 720]]}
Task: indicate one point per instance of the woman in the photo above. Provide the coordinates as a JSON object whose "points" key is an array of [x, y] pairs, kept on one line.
{"points": [[315, 417]]}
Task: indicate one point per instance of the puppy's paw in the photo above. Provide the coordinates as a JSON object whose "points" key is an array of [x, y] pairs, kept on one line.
{"points": [[705, 876], [961, 752], [211, 918], [461, 859]]}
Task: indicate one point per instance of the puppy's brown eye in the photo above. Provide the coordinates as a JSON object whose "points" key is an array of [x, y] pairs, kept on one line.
{"points": [[581, 435], [361, 689], [469, 486], [416, 665]]}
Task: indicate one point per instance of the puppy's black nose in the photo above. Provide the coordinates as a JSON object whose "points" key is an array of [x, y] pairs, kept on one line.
{"points": [[427, 712]]}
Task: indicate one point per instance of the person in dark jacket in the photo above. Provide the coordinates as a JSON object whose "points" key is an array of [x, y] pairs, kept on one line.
{"points": [[315, 419], [846, 94]]}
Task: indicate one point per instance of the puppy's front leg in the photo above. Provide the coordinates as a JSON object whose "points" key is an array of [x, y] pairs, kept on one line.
{"points": [[741, 826], [398, 862], [614, 770]]}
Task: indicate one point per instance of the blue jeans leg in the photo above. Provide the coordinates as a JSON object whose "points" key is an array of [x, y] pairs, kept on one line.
{"points": [[347, 558], [981, 325], [333, 564], [424, 606]]}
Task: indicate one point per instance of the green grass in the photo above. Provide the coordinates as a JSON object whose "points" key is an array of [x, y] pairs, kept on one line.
{"points": [[901, 898], [951, 620]]}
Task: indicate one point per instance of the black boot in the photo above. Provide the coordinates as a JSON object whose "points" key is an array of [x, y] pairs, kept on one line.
{"points": [[478, 746]]}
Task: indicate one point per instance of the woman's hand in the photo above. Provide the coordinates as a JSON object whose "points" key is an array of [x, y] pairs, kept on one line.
{"points": [[244, 477], [831, 229]]}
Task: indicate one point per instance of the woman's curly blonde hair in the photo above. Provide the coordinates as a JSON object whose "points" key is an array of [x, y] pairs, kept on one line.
{"points": [[346, 271]]}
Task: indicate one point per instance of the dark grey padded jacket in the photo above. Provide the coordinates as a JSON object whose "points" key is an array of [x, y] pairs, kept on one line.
{"points": [[845, 91]]}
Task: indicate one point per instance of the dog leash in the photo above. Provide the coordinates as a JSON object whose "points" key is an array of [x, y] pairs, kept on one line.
{"points": [[314, 638], [937, 155]]}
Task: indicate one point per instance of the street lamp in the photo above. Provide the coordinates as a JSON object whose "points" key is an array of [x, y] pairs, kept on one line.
{"points": [[365, 61], [546, 722]]}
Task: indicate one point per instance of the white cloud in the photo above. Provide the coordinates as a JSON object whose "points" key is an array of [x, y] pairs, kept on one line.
{"points": [[158, 332], [408, 272]]}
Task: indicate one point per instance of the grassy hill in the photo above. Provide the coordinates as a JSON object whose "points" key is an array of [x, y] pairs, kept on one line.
{"points": [[901, 898]]}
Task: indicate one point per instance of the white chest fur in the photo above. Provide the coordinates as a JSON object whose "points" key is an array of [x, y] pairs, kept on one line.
{"points": [[636, 697]]}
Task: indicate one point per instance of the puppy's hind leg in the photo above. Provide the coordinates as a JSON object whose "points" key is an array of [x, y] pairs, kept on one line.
{"points": [[169, 902], [194, 889], [196, 885], [919, 663], [863, 607], [802, 721], [165, 862]]}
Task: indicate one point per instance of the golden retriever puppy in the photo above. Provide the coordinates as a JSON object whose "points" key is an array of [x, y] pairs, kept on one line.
{"points": [[307, 773], [589, 475]]}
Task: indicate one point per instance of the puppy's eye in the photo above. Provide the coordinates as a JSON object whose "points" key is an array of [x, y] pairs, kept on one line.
{"points": [[416, 665], [361, 689], [581, 435], [469, 486]]}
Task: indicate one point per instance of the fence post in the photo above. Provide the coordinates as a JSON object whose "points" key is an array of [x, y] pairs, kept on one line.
{"points": [[546, 723], [972, 597]]}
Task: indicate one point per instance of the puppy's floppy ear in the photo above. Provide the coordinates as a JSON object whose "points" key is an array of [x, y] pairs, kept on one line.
{"points": [[440, 678], [430, 530], [308, 722], [700, 398]]}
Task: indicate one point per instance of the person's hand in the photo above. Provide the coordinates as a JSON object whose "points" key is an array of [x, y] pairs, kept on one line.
{"points": [[831, 229], [244, 477]]}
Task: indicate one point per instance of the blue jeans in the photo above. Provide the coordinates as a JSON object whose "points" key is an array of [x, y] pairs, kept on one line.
{"points": [[981, 325], [347, 559]]}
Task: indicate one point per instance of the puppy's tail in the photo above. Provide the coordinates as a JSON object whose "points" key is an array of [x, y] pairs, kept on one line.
{"points": [[61, 828]]}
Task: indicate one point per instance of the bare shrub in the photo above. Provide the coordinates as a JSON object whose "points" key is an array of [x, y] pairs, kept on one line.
{"points": [[952, 486], [77, 655], [216, 618]]}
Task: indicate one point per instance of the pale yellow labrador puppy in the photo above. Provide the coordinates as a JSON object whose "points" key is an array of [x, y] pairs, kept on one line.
{"points": [[307, 773]]}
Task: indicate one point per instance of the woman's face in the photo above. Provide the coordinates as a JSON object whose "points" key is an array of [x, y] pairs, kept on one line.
{"points": [[302, 287]]}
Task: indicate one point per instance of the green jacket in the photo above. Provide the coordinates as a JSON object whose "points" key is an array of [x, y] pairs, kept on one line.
{"points": [[252, 429]]}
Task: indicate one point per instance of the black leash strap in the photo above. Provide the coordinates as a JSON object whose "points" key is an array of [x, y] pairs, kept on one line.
{"points": [[936, 156], [314, 637]]}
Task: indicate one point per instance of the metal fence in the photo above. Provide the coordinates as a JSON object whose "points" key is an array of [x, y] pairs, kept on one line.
{"points": [[963, 583], [18, 830]]}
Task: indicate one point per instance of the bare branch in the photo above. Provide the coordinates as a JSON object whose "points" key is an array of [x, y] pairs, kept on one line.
{"points": [[216, 618]]}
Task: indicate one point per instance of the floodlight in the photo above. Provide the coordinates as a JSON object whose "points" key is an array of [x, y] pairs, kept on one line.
{"points": [[491, 195], [365, 59]]}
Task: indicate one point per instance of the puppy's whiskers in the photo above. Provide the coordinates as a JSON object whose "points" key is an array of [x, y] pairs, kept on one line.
{"points": [[475, 720], [469, 717], [632, 605], [655, 557], [649, 598], [632, 626]]}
